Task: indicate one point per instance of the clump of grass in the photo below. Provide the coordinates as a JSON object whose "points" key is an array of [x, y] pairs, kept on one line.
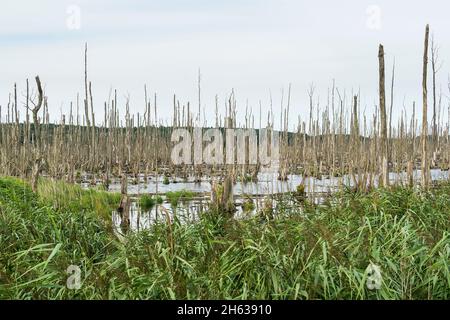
{"points": [[248, 205], [173, 197], [166, 180], [266, 213], [300, 193], [146, 202], [78, 177], [64, 196], [300, 190], [158, 200]]}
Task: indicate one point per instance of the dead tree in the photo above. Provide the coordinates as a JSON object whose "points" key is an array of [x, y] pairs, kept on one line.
{"points": [[425, 168], [124, 206], [390, 111], [86, 98], [383, 142], [37, 136], [435, 69]]}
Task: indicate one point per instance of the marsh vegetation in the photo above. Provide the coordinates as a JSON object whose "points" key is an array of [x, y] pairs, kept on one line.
{"points": [[318, 252]]}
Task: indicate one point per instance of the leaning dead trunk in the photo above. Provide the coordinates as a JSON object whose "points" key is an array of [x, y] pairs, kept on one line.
{"points": [[37, 137]]}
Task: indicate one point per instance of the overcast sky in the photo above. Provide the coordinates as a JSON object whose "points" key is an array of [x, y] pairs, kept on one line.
{"points": [[255, 47]]}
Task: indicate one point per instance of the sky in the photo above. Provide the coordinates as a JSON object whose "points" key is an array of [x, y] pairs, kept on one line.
{"points": [[256, 48]]}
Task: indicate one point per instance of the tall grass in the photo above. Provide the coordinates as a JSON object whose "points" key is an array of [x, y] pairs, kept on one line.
{"points": [[71, 197], [41, 238], [319, 252]]}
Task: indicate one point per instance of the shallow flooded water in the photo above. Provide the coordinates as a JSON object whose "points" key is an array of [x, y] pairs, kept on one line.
{"points": [[266, 184], [189, 211], [185, 212]]}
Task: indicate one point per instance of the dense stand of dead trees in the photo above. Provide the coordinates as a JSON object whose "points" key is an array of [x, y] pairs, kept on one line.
{"points": [[335, 140]]}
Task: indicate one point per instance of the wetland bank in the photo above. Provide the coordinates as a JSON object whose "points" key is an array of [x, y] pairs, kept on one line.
{"points": [[346, 191]]}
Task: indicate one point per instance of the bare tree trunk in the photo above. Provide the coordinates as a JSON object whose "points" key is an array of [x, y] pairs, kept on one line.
{"points": [[434, 52], [383, 142], [390, 111], [86, 99], [93, 151], [37, 136], [425, 168], [227, 196]]}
